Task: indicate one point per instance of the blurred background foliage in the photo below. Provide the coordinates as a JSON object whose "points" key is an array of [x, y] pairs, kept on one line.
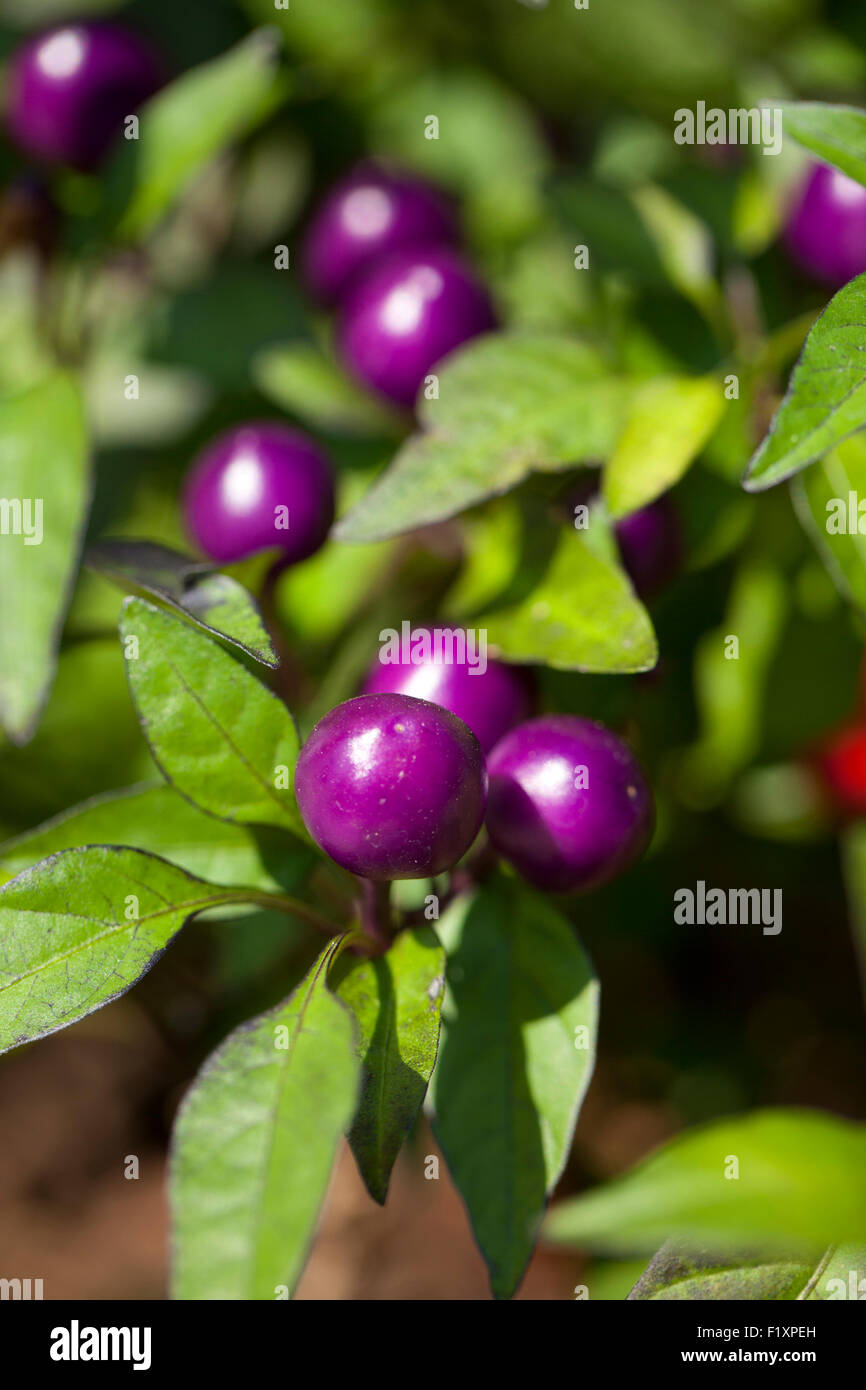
{"points": [[555, 129]]}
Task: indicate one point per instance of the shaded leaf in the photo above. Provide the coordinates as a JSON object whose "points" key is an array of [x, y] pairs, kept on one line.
{"points": [[515, 1058], [214, 601], [396, 1001], [43, 512], [254, 1145]]}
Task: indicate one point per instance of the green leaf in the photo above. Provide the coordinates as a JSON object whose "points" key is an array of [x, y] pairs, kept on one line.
{"points": [[192, 120], [497, 163], [301, 379], [582, 616], [79, 929], [826, 397], [841, 1274], [218, 735], [676, 1273], [254, 1145], [158, 820], [214, 601], [822, 501], [836, 134], [507, 404], [730, 692], [396, 1002], [799, 1184], [670, 421], [43, 512], [515, 1058]]}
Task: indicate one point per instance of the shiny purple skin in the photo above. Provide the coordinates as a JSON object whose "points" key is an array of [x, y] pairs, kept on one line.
{"points": [[650, 544], [370, 214], [490, 702], [407, 313], [560, 836], [71, 88], [240, 481], [391, 787], [826, 231]]}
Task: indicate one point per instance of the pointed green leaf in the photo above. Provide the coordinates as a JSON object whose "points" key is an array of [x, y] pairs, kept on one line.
{"points": [[677, 1273], [775, 1179], [669, 422], [396, 1001], [301, 379], [836, 134], [214, 601], [515, 1058], [507, 404], [219, 736], [582, 616], [193, 120], [824, 503], [45, 491], [254, 1145], [157, 819], [826, 397], [78, 930]]}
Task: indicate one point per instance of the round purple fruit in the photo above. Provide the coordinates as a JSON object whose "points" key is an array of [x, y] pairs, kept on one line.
{"points": [[392, 787], [826, 231], [70, 90], [446, 667], [568, 804], [370, 214], [409, 311], [650, 544], [257, 487]]}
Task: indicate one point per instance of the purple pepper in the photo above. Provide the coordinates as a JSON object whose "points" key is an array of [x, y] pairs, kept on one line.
{"points": [[491, 700], [70, 90], [407, 313], [826, 230], [650, 544], [391, 787], [368, 215], [258, 486], [568, 804]]}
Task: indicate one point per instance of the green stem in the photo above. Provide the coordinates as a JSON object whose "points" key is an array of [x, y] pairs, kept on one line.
{"points": [[283, 903]]}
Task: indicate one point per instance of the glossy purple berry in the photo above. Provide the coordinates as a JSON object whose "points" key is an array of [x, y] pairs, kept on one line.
{"points": [[370, 214], [70, 90], [259, 486], [406, 314], [486, 694], [826, 231], [391, 787], [568, 804], [650, 544]]}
